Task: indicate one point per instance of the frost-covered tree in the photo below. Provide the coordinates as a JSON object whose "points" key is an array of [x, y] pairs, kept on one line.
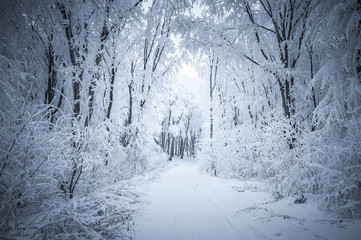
{"points": [[295, 79], [59, 65]]}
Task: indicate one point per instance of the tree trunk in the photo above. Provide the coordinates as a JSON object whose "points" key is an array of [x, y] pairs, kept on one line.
{"points": [[172, 148], [130, 90], [91, 90], [51, 83], [212, 84], [74, 59], [74, 55], [111, 91], [183, 146]]}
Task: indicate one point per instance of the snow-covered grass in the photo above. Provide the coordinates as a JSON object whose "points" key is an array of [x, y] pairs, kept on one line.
{"points": [[104, 214], [184, 203]]}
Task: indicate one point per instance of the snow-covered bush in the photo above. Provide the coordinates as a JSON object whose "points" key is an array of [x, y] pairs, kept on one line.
{"points": [[142, 152], [43, 164]]}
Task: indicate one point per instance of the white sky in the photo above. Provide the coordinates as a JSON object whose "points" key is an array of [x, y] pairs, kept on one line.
{"points": [[195, 85]]}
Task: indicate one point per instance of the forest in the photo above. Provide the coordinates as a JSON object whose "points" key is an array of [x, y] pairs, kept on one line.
{"points": [[95, 94]]}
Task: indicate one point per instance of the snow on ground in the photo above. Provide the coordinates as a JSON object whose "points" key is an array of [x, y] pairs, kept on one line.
{"points": [[185, 204]]}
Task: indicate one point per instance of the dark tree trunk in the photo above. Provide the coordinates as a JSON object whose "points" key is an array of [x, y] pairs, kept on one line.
{"points": [[52, 83], [172, 148], [111, 91], [130, 90], [74, 56], [91, 91], [183, 144]]}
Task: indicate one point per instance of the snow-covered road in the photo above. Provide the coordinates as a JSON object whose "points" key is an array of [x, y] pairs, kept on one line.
{"points": [[185, 204]]}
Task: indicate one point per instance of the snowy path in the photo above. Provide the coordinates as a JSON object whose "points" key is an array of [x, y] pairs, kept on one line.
{"points": [[185, 204]]}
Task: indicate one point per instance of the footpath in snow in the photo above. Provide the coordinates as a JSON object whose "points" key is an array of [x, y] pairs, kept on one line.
{"points": [[185, 204]]}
